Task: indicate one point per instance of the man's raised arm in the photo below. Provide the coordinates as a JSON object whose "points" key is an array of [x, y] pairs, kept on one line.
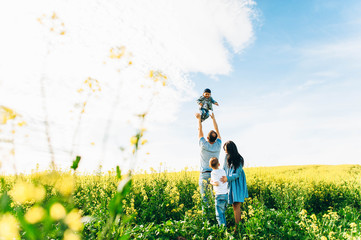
{"points": [[215, 125], [200, 130]]}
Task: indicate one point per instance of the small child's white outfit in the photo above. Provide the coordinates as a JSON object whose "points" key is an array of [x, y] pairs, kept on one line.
{"points": [[221, 195], [216, 176]]}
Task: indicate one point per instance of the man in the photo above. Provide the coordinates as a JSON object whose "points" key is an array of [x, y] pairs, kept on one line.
{"points": [[209, 148]]}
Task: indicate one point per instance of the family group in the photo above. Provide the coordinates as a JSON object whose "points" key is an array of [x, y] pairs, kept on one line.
{"points": [[229, 182]]}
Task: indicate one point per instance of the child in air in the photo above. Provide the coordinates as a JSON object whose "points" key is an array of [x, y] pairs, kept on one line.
{"points": [[220, 190], [205, 104]]}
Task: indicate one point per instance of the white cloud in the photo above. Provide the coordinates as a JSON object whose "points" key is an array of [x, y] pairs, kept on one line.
{"points": [[176, 38]]}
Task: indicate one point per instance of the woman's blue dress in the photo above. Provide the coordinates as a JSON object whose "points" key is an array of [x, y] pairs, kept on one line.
{"points": [[237, 186]]}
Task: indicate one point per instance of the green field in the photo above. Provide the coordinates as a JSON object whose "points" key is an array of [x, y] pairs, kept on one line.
{"points": [[294, 202]]}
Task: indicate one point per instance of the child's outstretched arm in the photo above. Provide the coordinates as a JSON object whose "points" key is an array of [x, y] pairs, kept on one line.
{"points": [[214, 102], [200, 101]]}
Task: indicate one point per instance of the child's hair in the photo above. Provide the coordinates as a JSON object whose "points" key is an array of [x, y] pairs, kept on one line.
{"points": [[213, 162], [207, 90]]}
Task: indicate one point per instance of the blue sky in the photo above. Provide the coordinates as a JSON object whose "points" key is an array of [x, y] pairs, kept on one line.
{"points": [[285, 73], [293, 95]]}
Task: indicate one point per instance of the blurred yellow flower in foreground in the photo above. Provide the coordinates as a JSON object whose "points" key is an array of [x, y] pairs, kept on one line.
{"points": [[24, 192], [54, 16], [35, 214], [117, 52], [70, 235], [57, 211], [22, 123], [158, 76], [6, 114], [39, 193], [9, 227], [65, 185], [144, 141], [133, 140], [142, 130], [73, 220]]}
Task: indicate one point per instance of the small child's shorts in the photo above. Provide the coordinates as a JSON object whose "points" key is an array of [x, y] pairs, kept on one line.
{"points": [[204, 114]]}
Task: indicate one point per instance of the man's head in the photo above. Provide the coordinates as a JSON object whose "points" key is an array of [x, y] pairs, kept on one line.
{"points": [[214, 163], [207, 93], [212, 136]]}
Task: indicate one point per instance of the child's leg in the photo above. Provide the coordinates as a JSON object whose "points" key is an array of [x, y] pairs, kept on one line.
{"points": [[220, 205], [204, 114]]}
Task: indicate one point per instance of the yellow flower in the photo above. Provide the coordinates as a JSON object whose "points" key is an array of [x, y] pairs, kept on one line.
{"points": [[303, 212], [22, 123], [117, 53], [352, 225], [144, 141], [57, 211], [323, 238], [73, 220], [9, 227], [39, 193], [70, 235], [35, 214], [65, 185], [24, 192], [151, 73], [6, 114], [133, 140]]}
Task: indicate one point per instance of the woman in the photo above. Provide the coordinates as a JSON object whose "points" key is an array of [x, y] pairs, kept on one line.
{"points": [[236, 178]]}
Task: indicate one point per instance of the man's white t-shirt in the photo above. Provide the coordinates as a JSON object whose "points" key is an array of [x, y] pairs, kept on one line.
{"points": [[216, 176]]}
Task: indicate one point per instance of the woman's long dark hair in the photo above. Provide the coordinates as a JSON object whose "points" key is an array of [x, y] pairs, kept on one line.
{"points": [[234, 159]]}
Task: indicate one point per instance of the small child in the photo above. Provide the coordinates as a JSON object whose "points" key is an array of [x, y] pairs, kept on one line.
{"points": [[220, 189], [205, 102]]}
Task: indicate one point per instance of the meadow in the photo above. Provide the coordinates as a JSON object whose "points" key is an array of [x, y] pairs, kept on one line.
{"points": [[291, 202]]}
